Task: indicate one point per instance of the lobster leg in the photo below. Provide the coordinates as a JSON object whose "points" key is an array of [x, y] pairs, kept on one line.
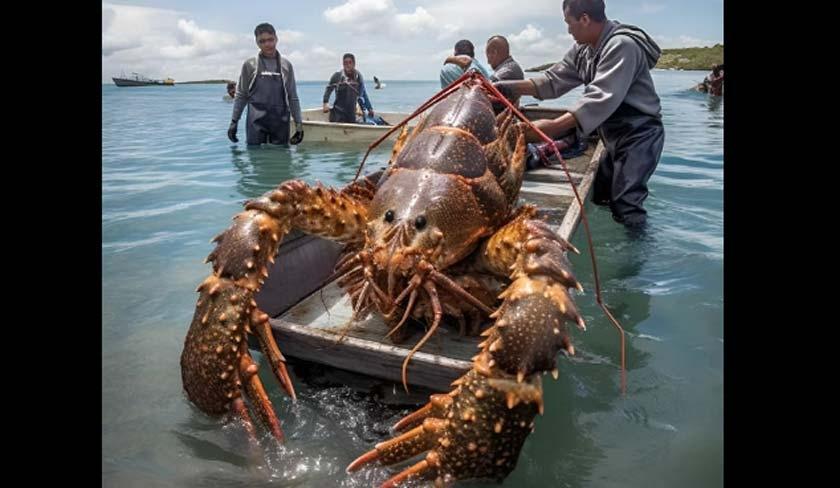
{"points": [[216, 367], [256, 393], [272, 352], [240, 411], [506, 156]]}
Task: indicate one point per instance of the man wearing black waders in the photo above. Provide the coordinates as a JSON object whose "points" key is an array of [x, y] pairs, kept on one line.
{"points": [[267, 86], [613, 61]]}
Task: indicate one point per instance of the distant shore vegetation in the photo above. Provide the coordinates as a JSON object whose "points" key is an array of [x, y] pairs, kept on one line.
{"points": [[687, 58]]}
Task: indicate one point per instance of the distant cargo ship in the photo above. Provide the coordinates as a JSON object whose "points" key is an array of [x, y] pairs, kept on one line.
{"points": [[139, 80]]}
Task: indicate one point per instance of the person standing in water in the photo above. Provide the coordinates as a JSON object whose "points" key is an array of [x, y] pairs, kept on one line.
{"points": [[231, 92], [267, 86], [613, 62]]}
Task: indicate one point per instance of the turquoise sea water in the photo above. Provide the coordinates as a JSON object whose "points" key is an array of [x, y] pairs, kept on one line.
{"points": [[171, 181]]}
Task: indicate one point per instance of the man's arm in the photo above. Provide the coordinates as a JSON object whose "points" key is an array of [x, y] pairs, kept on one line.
{"points": [[364, 96], [555, 82], [465, 62], [240, 98], [477, 66], [559, 79], [616, 71], [553, 128], [294, 101], [330, 87], [461, 60]]}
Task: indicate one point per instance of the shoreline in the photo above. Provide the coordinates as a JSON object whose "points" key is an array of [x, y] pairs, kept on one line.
{"points": [[676, 59]]}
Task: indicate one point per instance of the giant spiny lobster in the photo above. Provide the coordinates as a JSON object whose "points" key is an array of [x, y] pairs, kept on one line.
{"points": [[437, 233]]}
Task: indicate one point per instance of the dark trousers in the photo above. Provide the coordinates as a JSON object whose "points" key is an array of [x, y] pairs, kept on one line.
{"points": [[633, 142], [256, 134]]}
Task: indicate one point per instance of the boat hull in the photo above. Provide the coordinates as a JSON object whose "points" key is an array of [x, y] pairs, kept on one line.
{"points": [[129, 82]]}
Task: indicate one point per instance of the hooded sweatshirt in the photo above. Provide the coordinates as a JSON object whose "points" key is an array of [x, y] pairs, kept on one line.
{"points": [[617, 70]]}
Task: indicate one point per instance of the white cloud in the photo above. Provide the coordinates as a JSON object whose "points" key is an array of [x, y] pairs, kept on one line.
{"points": [[354, 11], [492, 15], [162, 43], [112, 44], [288, 36], [195, 42], [652, 8], [381, 18], [391, 39], [314, 62], [107, 17], [531, 46], [416, 23], [443, 19], [449, 31], [127, 27], [324, 53], [528, 35]]}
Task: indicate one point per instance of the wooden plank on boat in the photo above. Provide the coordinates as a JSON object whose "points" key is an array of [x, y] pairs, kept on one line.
{"points": [[311, 329], [572, 217], [553, 174], [330, 337]]}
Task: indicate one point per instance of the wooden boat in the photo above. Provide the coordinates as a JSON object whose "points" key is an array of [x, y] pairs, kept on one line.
{"points": [[309, 314], [318, 128]]}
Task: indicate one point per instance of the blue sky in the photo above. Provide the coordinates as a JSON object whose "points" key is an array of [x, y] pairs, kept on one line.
{"points": [[393, 39]]}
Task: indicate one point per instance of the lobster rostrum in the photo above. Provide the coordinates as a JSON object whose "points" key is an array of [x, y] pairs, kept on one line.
{"points": [[436, 234]]}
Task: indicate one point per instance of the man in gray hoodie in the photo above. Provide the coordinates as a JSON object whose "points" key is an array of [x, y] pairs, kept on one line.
{"points": [[619, 101], [267, 86]]}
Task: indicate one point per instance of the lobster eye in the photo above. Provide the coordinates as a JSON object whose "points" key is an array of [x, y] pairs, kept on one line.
{"points": [[420, 222], [389, 216]]}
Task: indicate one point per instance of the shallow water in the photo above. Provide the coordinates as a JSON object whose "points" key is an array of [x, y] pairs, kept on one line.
{"points": [[171, 181]]}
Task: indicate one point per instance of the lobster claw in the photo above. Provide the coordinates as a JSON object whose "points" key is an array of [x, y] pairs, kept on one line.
{"points": [[476, 431], [217, 369]]}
